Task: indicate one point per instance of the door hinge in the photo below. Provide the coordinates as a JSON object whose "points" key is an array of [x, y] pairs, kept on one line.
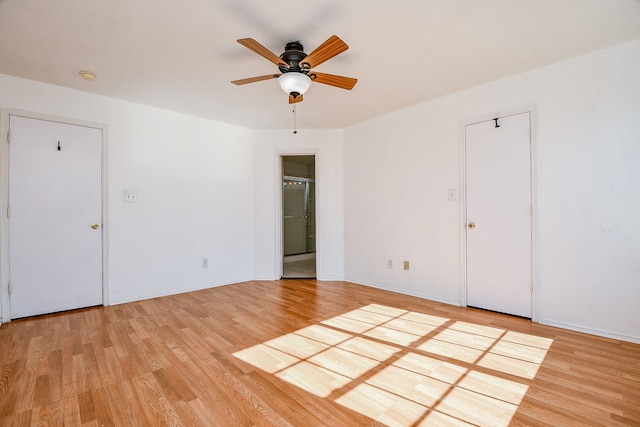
{"points": [[9, 287], [8, 212], [8, 136]]}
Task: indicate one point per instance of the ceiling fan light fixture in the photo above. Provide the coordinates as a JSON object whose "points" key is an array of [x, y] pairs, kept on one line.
{"points": [[294, 82], [295, 67]]}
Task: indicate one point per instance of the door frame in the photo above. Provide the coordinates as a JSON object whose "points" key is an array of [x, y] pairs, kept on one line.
{"points": [[535, 291], [5, 116], [279, 209]]}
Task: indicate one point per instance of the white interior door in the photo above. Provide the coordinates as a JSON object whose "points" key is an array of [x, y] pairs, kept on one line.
{"points": [[499, 215], [55, 223]]}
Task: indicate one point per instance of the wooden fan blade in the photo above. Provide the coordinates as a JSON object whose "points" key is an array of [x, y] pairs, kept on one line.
{"points": [[262, 51], [327, 50], [255, 79], [333, 80], [293, 100]]}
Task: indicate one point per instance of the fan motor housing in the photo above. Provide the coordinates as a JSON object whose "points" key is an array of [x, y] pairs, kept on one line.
{"points": [[293, 54]]}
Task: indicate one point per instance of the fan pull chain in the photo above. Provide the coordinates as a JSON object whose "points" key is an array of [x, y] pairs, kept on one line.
{"points": [[295, 119]]}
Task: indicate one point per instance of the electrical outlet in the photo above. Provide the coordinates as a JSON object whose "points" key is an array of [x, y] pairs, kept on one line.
{"points": [[389, 263], [130, 197], [205, 263], [405, 265]]}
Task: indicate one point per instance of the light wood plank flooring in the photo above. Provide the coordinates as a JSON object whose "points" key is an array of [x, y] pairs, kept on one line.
{"points": [[307, 353]]}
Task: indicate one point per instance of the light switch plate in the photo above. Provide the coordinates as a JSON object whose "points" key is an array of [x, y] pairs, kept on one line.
{"points": [[451, 195]]}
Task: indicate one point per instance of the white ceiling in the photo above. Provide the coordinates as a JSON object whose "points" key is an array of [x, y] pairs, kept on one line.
{"points": [[182, 55]]}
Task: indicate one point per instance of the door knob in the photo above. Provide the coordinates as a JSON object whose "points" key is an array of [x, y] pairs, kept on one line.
{"points": [[94, 226], [472, 225]]}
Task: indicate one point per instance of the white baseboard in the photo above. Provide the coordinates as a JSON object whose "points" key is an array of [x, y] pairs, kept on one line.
{"points": [[116, 301], [590, 331], [265, 279], [404, 292]]}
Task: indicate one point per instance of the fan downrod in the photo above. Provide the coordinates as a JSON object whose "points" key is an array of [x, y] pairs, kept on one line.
{"points": [[293, 54]]}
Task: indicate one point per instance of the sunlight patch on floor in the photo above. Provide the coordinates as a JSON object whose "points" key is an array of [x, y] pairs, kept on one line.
{"points": [[313, 378], [404, 368], [369, 348]]}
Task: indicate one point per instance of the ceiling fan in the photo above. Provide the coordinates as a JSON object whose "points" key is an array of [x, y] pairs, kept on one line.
{"points": [[296, 66]]}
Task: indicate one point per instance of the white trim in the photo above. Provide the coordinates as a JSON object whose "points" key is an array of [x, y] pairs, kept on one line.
{"points": [[177, 291], [590, 331], [5, 116], [535, 292], [5, 308], [106, 300], [462, 206], [278, 154], [531, 110], [265, 278], [403, 292]]}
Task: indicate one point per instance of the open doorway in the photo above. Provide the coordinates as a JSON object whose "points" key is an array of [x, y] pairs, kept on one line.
{"points": [[299, 217]]}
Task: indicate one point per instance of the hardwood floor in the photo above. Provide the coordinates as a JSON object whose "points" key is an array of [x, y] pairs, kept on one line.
{"points": [[307, 353]]}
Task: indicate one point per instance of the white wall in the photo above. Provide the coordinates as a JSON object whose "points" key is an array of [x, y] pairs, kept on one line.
{"points": [[194, 183], [210, 190], [587, 136], [268, 146]]}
